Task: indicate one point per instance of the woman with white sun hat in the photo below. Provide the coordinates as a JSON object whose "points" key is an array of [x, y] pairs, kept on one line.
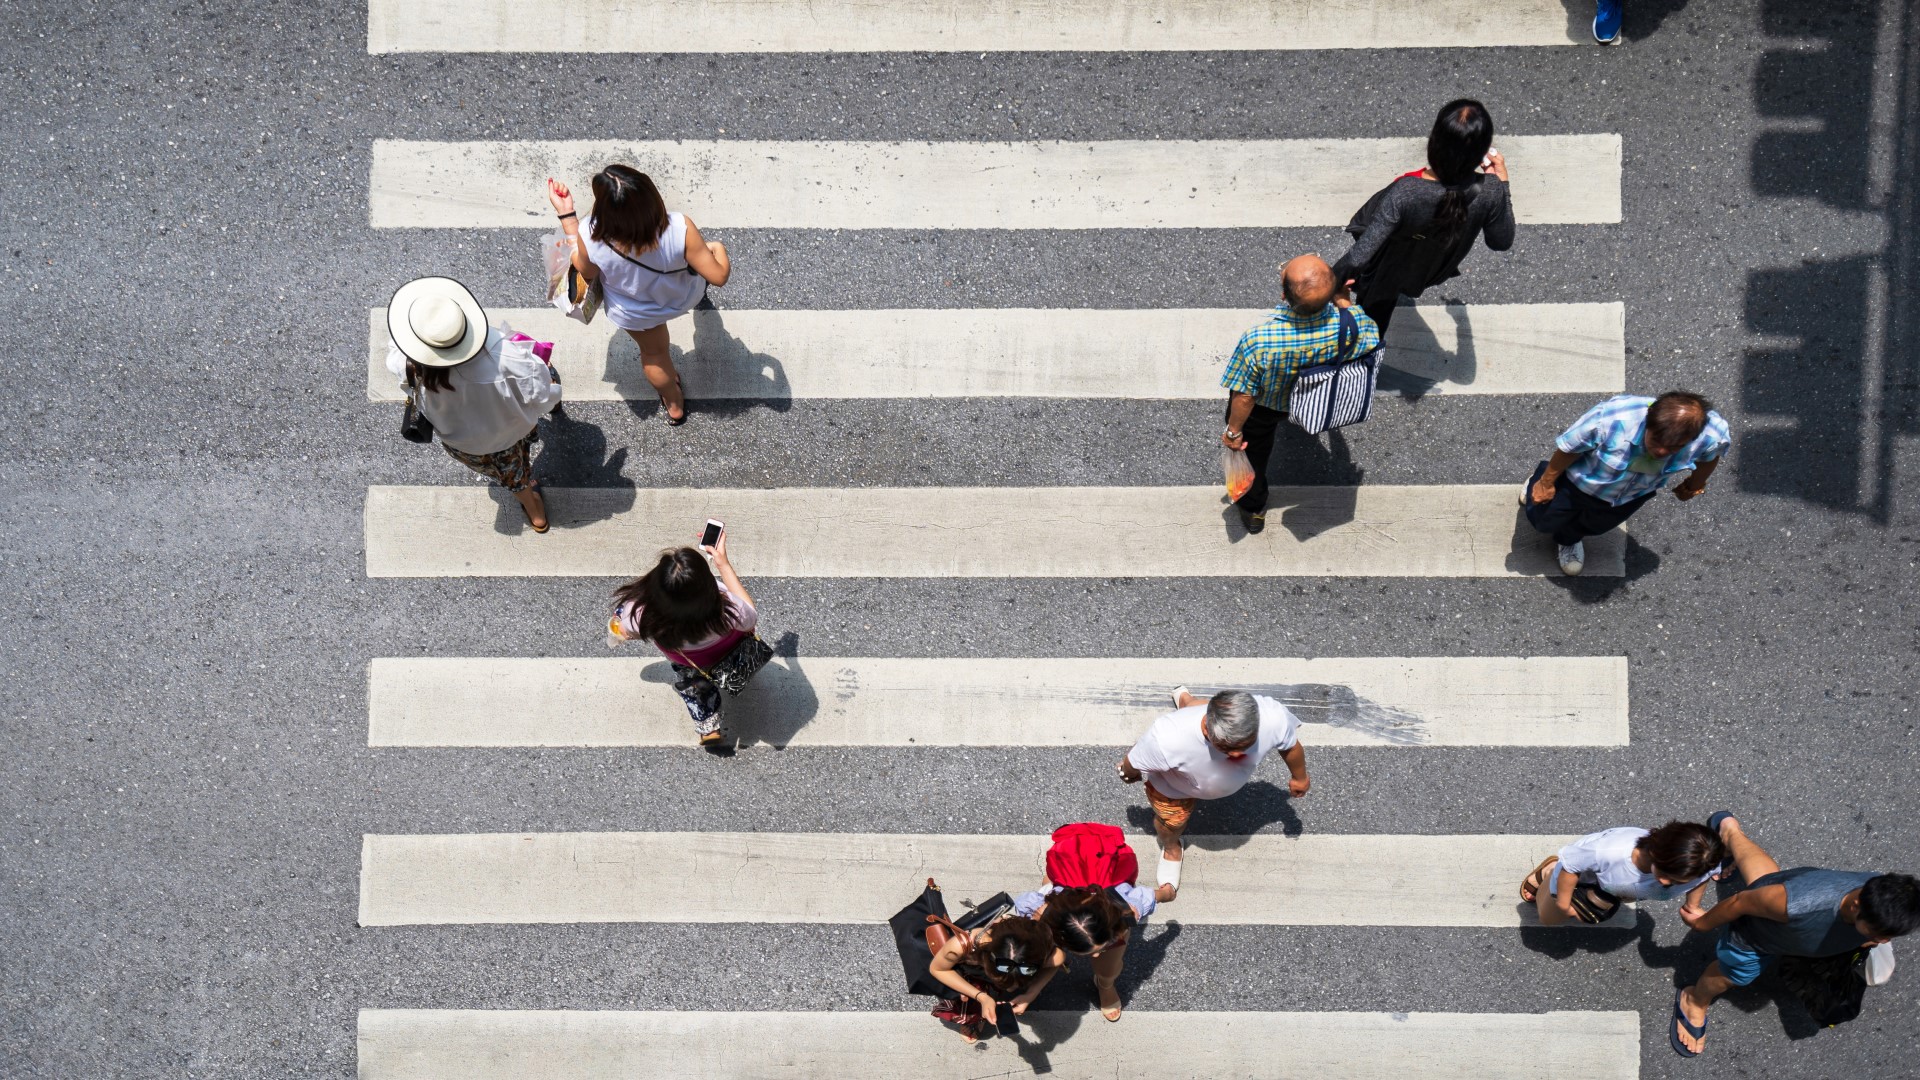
{"points": [[483, 392]]}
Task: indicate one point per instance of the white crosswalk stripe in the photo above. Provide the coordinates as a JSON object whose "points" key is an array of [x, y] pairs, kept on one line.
{"points": [[400, 1044], [764, 877], [748, 26], [1028, 352], [1457, 530], [1127, 184], [872, 701]]}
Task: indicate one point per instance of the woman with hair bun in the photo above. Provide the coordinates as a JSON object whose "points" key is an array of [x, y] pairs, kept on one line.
{"points": [[1415, 232], [1594, 874]]}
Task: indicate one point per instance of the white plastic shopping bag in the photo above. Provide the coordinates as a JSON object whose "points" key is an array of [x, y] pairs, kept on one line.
{"points": [[578, 298]]}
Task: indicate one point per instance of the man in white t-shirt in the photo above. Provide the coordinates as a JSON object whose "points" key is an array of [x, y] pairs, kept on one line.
{"points": [[1209, 750]]}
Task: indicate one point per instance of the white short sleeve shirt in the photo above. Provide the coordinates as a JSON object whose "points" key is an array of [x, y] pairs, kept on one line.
{"points": [[1605, 859], [1181, 764]]}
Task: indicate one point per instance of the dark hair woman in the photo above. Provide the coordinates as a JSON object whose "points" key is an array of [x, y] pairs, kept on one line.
{"points": [[695, 616], [1010, 960], [652, 264], [1415, 232], [1091, 903], [1677, 858]]}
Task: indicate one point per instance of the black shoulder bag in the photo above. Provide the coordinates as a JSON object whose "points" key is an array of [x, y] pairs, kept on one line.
{"points": [[414, 426]]}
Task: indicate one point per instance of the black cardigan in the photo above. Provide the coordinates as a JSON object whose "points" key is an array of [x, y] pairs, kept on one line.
{"points": [[1390, 247]]}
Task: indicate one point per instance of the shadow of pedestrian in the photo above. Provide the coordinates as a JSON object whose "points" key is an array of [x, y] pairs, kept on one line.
{"points": [[1322, 489], [1415, 360], [1041, 1033], [1642, 21], [1532, 552], [721, 374], [572, 454], [1225, 824], [777, 703]]}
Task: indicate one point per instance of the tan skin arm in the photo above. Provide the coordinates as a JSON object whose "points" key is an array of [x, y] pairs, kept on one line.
{"points": [[1696, 482], [944, 969], [1559, 463], [1296, 758], [1694, 896], [1767, 902], [723, 568], [707, 257], [1563, 891]]}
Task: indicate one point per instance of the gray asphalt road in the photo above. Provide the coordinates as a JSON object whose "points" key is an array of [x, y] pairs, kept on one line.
{"points": [[187, 267]]}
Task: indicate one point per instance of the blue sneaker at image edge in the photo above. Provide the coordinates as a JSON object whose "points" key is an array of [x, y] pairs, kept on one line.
{"points": [[1607, 15]]}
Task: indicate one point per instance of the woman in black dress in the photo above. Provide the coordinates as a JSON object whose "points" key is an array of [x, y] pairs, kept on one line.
{"points": [[1413, 234]]}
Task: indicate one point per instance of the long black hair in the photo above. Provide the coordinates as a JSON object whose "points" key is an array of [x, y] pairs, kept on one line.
{"points": [[680, 602], [628, 211], [1462, 134]]}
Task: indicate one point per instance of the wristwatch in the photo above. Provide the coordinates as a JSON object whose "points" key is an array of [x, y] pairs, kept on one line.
{"points": [[1231, 434]]}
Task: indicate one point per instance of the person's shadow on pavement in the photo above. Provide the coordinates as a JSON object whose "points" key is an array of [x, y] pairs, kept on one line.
{"points": [[1321, 489], [1225, 824]]}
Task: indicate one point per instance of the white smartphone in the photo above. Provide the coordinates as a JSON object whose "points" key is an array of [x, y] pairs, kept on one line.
{"points": [[712, 535]]}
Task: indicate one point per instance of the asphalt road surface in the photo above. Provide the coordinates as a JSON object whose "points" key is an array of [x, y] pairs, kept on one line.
{"points": [[188, 265]]}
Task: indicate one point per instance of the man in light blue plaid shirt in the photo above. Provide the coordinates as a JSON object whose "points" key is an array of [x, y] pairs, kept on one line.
{"points": [[1301, 332], [1616, 458]]}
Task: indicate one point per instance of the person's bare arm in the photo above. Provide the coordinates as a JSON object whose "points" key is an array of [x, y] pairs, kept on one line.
{"points": [[1694, 896], [1768, 902], [1238, 410], [1559, 463], [562, 201], [707, 257], [1128, 774], [1054, 963], [723, 567], [942, 969], [1296, 758], [1563, 891], [1696, 481]]}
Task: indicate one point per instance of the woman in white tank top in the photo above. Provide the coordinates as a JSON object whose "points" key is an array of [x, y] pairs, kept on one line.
{"points": [[652, 266]]}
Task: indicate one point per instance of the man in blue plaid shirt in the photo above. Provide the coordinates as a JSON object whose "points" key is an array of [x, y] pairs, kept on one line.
{"points": [[1303, 331], [1616, 458]]}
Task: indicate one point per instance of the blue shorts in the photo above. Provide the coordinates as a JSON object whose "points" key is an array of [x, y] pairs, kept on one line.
{"points": [[1738, 963]]}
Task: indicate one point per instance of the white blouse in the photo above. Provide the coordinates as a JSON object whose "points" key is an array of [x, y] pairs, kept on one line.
{"points": [[496, 398]]}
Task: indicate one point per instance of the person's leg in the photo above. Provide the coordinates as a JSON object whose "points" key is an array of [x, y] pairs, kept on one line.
{"points": [[1594, 516], [1607, 17], [1106, 972], [1733, 965], [703, 702], [1379, 304], [1260, 430], [1170, 817], [656, 361]]}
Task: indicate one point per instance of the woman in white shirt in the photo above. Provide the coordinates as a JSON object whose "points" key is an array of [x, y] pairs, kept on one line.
{"points": [[652, 266], [1678, 858], [483, 394]]}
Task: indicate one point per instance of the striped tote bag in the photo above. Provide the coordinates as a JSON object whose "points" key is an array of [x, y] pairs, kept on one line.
{"points": [[1339, 393]]}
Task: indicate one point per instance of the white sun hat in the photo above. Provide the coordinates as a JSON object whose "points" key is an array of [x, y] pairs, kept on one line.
{"points": [[436, 322]]}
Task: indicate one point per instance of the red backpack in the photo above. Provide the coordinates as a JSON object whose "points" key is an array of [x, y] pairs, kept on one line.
{"points": [[1089, 853]]}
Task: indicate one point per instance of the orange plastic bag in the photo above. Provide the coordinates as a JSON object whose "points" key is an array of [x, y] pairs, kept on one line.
{"points": [[1239, 472]]}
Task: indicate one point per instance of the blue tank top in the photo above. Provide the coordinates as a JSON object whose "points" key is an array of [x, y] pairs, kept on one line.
{"points": [[1814, 926]]}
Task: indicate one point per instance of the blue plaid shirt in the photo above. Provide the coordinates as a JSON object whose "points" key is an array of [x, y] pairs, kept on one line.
{"points": [[1271, 354], [1610, 438]]}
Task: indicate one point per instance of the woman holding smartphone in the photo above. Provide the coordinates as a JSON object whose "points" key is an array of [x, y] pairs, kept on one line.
{"points": [[697, 616]]}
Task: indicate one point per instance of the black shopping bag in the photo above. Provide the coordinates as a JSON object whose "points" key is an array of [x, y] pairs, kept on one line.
{"points": [[910, 934]]}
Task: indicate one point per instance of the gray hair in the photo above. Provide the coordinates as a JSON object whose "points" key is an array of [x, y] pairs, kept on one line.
{"points": [[1233, 718]]}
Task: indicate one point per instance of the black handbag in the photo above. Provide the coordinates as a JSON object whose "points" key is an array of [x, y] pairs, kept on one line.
{"points": [[1593, 904], [414, 427], [919, 924], [1830, 987], [738, 667]]}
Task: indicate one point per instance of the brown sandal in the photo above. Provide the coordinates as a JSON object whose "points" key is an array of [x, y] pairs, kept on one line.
{"points": [[529, 513], [1537, 880]]}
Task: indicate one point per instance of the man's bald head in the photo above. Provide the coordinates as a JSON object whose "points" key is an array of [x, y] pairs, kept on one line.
{"points": [[1307, 283]]}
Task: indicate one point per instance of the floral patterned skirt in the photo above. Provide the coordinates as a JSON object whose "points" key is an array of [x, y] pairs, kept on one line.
{"points": [[511, 468]]}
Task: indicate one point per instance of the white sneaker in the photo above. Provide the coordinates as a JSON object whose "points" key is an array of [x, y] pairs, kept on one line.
{"points": [[1573, 558]]}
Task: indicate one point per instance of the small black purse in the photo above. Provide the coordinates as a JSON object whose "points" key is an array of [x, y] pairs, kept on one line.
{"points": [[737, 667], [413, 426]]}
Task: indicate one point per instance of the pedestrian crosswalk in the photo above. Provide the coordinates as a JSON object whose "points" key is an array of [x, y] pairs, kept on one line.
{"points": [[864, 878], [1042, 184], [810, 700], [1174, 353], [746, 26], [1565, 708], [1443, 530], [406, 1044]]}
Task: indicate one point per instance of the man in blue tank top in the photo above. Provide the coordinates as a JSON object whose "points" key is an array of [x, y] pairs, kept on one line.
{"points": [[1801, 912]]}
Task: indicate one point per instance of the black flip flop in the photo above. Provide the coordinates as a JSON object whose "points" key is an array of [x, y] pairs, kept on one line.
{"points": [[1680, 1021], [684, 410]]}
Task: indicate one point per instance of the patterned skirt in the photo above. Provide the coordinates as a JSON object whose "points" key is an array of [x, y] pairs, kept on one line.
{"points": [[511, 468]]}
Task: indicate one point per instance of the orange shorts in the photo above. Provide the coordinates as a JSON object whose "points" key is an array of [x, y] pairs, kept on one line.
{"points": [[1173, 813]]}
